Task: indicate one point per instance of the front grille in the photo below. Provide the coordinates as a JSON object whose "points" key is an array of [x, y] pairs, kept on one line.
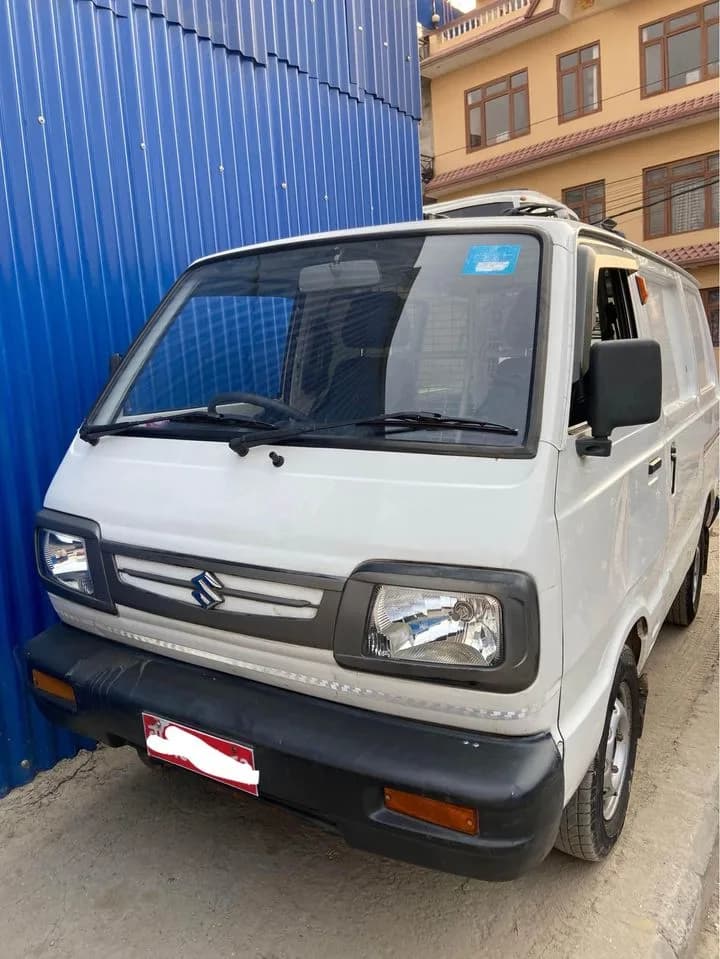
{"points": [[274, 604], [210, 589]]}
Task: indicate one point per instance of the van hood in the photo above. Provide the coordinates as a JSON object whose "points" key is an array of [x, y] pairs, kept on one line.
{"points": [[324, 511]]}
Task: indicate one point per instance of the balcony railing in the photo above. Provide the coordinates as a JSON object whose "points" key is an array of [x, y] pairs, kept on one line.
{"points": [[427, 168], [482, 19]]}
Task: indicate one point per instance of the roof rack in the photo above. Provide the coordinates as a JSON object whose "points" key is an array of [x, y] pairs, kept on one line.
{"points": [[611, 226], [539, 209]]}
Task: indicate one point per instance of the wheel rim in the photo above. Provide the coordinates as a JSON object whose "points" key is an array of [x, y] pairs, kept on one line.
{"points": [[696, 575], [617, 751]]}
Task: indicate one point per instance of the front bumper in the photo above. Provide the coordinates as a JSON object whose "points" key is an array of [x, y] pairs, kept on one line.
{"points": [[326, 760]]}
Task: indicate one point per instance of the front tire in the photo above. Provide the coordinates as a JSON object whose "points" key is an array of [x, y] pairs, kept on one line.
{"points": [[593, 819]]}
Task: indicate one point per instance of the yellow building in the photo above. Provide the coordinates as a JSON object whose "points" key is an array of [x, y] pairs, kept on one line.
{"points": [[608, 105]]}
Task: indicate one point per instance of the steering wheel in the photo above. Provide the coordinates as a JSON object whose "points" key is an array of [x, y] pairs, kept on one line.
{"points": [[254, 399]]}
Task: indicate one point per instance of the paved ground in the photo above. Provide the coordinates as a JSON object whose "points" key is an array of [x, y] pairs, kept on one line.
{"points": [[104, 858], [707, 947]]}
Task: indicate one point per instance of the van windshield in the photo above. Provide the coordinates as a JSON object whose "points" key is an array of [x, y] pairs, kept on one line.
{"points": [[338, 332]]}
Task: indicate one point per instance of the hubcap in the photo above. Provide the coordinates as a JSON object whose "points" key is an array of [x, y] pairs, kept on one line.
{"points": [[696, 574], [617, 751]]}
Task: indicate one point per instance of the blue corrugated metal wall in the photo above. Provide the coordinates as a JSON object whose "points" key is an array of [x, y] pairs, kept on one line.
{"points": [[135, 136]]}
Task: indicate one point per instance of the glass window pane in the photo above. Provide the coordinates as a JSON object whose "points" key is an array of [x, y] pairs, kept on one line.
{"points": [[497, 119], [652, 32], [684, 63], [687, 206], [519, 79], [687, 20], [574, 195], [712, 48], [521, 119], [653, 69], [656, 176], [569, 96], [193, 360], [712, 162], [688, 169], [715, 207], [495, 88], [590, 53], [591, 89], [711, 11], [656, 212], [568, 61], [474, 96], [475, 124], [595, 191], [596, 212]]}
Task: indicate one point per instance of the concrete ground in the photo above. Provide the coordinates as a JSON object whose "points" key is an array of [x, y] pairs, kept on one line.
{"points": [[103, 857], [707, 947]]}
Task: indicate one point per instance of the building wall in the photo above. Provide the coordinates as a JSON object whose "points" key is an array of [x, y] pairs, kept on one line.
{"points": [[620, 166], [617, 31], [136, 136]]}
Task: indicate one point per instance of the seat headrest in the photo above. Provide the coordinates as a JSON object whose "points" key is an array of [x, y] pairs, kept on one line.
{"points": [[370, 319]]}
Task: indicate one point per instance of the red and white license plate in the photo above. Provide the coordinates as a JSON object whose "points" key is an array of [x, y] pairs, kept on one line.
{"points": [[220, 759]]}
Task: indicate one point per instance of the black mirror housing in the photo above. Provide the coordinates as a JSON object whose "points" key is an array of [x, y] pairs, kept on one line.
{"points": [[623, 387]]}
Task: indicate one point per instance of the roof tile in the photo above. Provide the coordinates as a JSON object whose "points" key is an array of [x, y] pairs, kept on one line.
{"points": [[687, 255], [559, 146]]}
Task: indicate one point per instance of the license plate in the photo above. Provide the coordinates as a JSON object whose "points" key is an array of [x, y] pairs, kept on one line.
{"points": [[220, 759]]}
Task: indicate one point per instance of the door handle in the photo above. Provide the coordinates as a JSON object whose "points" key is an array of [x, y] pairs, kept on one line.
{"points": [[673, 463], [654, 466]]}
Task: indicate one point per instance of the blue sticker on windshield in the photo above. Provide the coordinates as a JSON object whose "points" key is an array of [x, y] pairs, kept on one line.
{"points": [[491, 260]]}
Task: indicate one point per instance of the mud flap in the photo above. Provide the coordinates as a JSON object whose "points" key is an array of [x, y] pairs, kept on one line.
{"points": [[644, 689]]}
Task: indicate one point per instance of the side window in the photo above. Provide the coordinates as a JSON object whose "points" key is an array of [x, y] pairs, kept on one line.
{"points": [[701, 339], [669, 325], [613, 320], [658, 324]]}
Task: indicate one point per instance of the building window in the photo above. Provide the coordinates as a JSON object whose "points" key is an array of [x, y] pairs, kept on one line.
{"points": [[497, 111], [681, 197], [711, 302], [579, 82], [679, 50], [587, 200]]}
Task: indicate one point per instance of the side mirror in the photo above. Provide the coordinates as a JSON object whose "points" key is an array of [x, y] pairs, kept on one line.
{"points": [[114, 362], [623, 387]]}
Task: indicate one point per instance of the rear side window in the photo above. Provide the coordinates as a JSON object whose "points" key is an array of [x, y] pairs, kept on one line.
{"points": [[706, 370], [669, 325]]}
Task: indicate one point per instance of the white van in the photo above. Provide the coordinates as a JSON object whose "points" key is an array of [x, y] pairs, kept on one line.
{"points": [[382, 525]]}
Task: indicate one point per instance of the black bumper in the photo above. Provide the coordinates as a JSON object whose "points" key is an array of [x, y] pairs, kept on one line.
{"points": [[326, 760]]}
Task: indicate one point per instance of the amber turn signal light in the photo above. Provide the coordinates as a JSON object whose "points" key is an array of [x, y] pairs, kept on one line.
{"points": [[459, 818], [53, 687], [642, 289]]}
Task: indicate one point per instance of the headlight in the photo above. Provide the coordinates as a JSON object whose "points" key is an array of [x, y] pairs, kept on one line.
{"points": [[66, 562], [438, 623], [454, 629]]}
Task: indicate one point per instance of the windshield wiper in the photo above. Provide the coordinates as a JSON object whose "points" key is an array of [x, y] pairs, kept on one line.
{"points": [[91, 434], [423, 420], [415, 420]]}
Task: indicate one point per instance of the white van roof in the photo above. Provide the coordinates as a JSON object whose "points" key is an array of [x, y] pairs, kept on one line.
{"points": [[563, 231]]}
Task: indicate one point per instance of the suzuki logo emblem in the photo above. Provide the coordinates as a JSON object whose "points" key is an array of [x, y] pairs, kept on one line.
{"points": [[208, 590]]}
